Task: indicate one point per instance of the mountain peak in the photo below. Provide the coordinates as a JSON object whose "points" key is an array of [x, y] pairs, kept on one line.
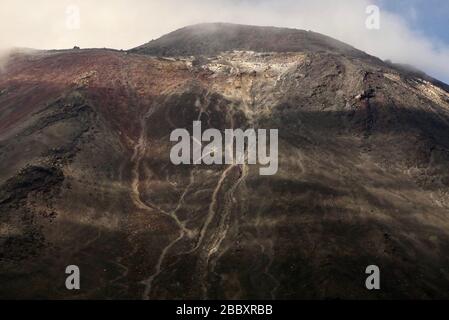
{"points": [[213, 38]]}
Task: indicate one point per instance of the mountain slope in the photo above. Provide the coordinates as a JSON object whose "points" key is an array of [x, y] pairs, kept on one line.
{"points": [[213, 38], [85, 175]]}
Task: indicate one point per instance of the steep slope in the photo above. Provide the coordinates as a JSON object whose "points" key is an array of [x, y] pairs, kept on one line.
{"points": [[85, 175]]}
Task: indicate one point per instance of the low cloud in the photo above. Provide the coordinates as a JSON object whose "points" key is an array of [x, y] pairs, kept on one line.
{"points": [[4, 57], [124, 24]]}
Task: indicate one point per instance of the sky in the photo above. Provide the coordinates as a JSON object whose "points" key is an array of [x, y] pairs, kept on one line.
{"points": [[410, 31], [430, 17]]}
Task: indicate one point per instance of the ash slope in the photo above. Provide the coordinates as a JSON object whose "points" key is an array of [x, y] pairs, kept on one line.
{"points": [[85, 176]]}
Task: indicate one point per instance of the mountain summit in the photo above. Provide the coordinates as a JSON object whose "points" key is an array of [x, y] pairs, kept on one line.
{"points": [[213, 38]]}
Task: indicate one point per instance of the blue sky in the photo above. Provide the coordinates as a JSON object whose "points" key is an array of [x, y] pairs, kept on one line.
{"points": [[429, 17]]}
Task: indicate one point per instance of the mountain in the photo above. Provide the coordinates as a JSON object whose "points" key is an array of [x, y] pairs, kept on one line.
{"points": [[214, 38], [86, 177]]}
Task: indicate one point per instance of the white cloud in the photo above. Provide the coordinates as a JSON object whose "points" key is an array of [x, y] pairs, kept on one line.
{"points": [[128, 23]]}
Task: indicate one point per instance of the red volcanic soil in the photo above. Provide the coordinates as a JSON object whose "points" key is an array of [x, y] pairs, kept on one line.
{"points": [[120, 85]]}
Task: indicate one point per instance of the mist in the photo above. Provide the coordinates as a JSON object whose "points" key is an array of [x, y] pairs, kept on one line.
{"points": [[4, 56], [120, 24]]}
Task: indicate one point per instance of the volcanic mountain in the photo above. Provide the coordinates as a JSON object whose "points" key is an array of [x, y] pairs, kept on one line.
{"points": [[86, 178]]}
